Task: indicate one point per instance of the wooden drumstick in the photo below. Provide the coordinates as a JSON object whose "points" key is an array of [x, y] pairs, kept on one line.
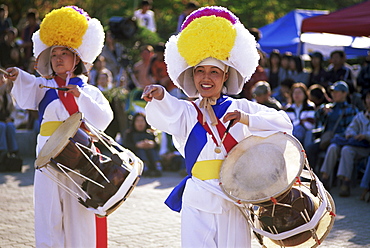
{"points": [[218, 149], [5, 72], [56, 88]]}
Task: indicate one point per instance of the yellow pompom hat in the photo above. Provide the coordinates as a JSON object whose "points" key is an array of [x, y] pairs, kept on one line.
{"points": [[211, 32], [73, 28]]}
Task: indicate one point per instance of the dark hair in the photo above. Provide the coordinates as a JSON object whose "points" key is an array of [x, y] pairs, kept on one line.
{"points": [[298, 63], [303, 87], [256, 33], [145, 3], [288, 82], [364, 94], [192, 5], [274, 53], [339, 52], [137, 115]]}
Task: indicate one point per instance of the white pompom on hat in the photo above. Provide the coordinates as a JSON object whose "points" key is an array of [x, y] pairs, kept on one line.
{"points": [[211, 32], [70, 27]]}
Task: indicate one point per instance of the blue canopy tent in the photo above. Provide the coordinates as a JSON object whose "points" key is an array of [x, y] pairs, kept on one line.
{"points": [[283, 34]]}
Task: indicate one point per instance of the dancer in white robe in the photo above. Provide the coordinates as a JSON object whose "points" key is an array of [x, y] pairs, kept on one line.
{"points": [[223, 57]]}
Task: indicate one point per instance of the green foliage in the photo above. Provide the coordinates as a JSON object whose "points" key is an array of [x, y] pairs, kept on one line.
{"points": [[252, 13], [116, 93]]}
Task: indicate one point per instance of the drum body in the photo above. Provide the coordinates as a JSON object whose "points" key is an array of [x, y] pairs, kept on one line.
{"points": [[105, 180], [266, 173]]}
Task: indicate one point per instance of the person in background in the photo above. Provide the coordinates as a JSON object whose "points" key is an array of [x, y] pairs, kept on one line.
{"points": [[258, 75], [262, 95], [10, 51], [365, 183], [5, 21], [338, 71], [283, 93], [363, 78], [145, 17], [328, 115], [8, 142], [141, 68], [274, 71], [317, 75], [98, 68], [190, 7], [113, 53], [26, 34], [60, 219], [317, 95], [141, 140], [297, 73], [301, 112], [359, 130]]}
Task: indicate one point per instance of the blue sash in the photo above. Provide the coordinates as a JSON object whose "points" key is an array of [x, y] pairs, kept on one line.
{"points": [[194, 145]]}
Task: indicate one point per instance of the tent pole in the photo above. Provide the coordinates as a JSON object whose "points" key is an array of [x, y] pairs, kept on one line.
{"points": [[299, 47]]}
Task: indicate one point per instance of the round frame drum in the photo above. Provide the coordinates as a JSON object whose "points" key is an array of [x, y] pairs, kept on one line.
{"points": [[104, 181], [266, 172], [259, 168]]}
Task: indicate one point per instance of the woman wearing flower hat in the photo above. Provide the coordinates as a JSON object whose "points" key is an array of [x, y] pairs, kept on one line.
{"points": [[65, 47], [212, 57]]}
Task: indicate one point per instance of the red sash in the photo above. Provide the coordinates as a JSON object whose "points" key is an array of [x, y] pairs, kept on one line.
{"points": [[67, 99]]}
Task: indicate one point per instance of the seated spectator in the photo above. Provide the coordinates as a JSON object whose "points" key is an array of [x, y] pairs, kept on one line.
{"points": [[141, 140], [363, 78], [297, 73], [317, 95], [8, 143], [257, 76], [301, 112], [104, 81], [283, 92], [5, 21], [99, 67], [327, 116], [317, 75], [365, 182], [359, 130], [337, 71], [10, 51], [171, 158], [262, 95]]}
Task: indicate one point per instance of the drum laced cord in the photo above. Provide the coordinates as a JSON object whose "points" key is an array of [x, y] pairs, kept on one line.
{"points": [[115, 149], [298, 205], [52, 177]]}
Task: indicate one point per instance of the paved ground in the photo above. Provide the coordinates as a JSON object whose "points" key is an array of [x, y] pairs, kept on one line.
{"points": [[144, 221]]}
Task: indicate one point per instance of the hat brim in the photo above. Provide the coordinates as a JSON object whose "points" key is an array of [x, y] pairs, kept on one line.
{"points": [[43, 63]]}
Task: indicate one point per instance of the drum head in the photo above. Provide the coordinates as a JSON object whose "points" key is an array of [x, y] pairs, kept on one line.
{"points": [[59, 140], [262, 167]]}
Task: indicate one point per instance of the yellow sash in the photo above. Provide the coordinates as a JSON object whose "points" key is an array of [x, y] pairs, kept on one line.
{"points": [[207, 169], [48, 128]]}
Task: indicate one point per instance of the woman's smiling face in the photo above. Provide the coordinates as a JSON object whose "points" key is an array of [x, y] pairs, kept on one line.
{"points": [[209, 80]]}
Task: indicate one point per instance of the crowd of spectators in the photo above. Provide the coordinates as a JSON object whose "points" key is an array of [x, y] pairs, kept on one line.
{"points": [[316, 94]]}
